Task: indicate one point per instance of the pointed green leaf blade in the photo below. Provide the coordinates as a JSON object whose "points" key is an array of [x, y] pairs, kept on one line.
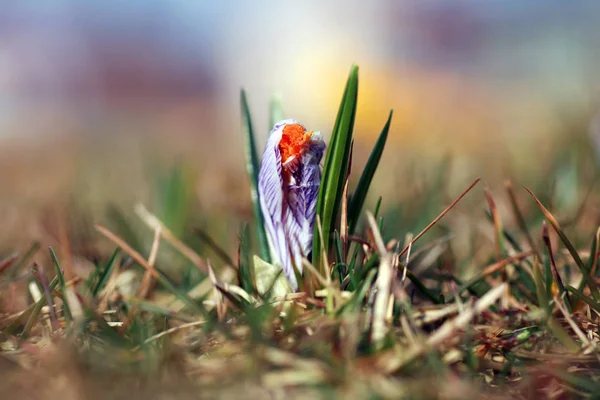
{"points": [[362, 189], [270, 279], [572, 250], [252, 165], [245, 267], [336, 165], [103, 280], [62, 284]]}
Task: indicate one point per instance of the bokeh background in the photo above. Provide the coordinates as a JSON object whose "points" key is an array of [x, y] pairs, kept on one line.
{"points": [[97, 96]]}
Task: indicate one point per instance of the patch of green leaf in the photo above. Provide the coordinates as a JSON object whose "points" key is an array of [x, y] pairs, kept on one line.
{"points": [[62, 285], [252, 168], [336, 167], [572, 250], [106, 273], [362, 189], [270, 279], [245, 267], [164, 280], [174, 194], [582, 297], [542, 295]]}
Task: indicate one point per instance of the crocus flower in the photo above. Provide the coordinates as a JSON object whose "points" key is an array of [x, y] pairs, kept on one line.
{"points": [[288, 187]]}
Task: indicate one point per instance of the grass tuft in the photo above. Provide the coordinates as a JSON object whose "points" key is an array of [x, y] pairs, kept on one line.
{"points": [[474, 305]]}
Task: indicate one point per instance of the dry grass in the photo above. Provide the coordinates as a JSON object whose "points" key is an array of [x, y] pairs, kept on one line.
{"points": [[176, 314]]}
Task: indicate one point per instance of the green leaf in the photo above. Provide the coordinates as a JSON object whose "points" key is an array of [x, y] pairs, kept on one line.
{"points": [[340, 265], [336, 166], [270, 279], [562, 335], [245, 267], [422, 288], [252, 166], [582, 297], [106, 273], [174, 197], [377, 207], [62, 284], [540, 289], [276, 113], [362, 189], [593, 259], [158, 310], [180, 294], [359, 294]]}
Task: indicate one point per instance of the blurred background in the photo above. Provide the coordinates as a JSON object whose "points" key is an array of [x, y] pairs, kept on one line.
{"points": [[90, 91]]}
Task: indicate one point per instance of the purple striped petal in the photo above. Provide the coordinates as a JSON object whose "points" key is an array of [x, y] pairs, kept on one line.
{"points": [[288, 194]]}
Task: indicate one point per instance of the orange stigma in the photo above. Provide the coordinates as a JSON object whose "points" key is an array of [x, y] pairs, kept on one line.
{"points": [[292, 141]]}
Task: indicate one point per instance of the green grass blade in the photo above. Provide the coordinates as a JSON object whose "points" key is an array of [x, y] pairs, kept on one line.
{"points": [[341, 261], [276, 113], [245, 261], [336, 166], [174, 197], [563, 237], [351, 267], [33, 312], [362, 189], [591, 266], [106, 273], [548, 275], [582, 297], [562, 335], [181, 295], [158, 310], [555, 275], [422, 288], [214, 246], [519, 216], [62, 284], [377, 207], [252, 165], [542, 294], [359, 294]]}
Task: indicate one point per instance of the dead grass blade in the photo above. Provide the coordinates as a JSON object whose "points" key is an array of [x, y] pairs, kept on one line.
{"points": [[144, 289], [519, 215], [590, 282], [555, 275], [396, 359], [175, 329], [383, 285], [41, 277], [154, 223], [137, 257], [146, 284], [498, 230], [446, 210], [490, 269], [219, 303]]}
